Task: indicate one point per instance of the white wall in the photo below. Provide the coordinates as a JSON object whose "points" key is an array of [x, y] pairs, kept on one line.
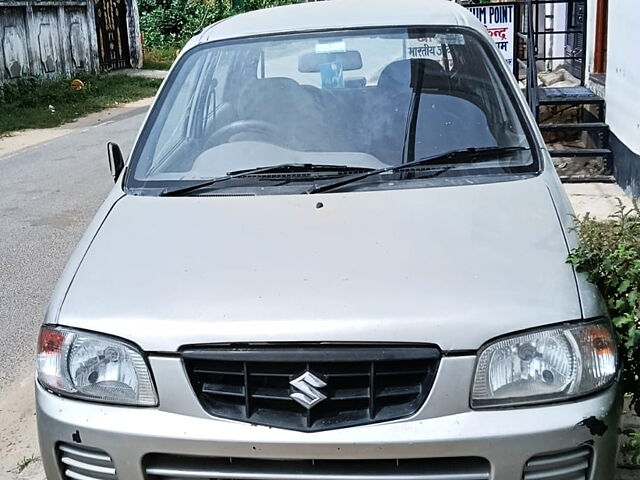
{"points": [[591, 32], [623, 72], [559, 25]]}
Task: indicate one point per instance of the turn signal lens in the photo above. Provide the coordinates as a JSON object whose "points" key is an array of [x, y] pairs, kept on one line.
{"points": [[93, 367], [50, 341]]}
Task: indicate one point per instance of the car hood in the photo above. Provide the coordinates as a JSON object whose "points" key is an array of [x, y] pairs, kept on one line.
{"points": [[452, 266]]}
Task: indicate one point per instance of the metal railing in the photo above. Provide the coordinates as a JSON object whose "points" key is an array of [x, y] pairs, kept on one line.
{"points": [[532, 33]]}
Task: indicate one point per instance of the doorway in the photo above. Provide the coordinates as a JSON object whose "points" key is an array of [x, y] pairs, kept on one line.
{"points": [[576, 28], [113, 37], [600, 48]]}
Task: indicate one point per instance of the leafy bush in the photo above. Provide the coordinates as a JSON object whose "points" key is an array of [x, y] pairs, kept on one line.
{"points": [[159, 58], [630, 448], [9, 91], [170, 23], [609, 253]]}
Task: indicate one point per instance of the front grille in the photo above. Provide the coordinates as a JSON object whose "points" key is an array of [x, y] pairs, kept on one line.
{"points": [[568, 465], [82, 463], [162, 467], [353, 385]]}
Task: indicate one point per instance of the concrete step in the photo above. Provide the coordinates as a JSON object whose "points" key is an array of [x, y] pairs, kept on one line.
{"points": [[545, 127], [595, 179], [581, 152], [568, 96]]}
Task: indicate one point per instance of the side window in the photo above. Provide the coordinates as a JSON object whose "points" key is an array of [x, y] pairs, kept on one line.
{"points": [[174, 130], [214, 86], [224, 81], [222, 70]]}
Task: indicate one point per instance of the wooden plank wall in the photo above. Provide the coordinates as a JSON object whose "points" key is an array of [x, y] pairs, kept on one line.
{"points": [[54, 38]]}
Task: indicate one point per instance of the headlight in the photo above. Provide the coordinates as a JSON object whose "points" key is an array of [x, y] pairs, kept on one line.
{"points": [[545, 366], [93, 367]]}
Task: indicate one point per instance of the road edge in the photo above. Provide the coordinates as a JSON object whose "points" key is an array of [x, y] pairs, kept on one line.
{"points": [[15, 142]]}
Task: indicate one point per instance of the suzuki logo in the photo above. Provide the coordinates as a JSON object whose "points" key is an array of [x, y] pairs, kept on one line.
{"points": [[306, 393]]}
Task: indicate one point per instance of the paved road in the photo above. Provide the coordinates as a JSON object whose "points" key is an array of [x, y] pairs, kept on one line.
{"points": [[48, 194]]}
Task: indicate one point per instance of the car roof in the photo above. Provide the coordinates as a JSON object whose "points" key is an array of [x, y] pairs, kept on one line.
{"points": [[339, 14]]}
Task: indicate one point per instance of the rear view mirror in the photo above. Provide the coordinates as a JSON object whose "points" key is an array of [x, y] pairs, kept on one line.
{"points": [[310, 62], [116, 162]]}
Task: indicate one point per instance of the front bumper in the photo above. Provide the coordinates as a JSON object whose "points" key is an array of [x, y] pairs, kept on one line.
{"points": [[445, 427]]}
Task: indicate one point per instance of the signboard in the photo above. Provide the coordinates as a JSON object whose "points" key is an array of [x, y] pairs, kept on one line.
{"points": [[500, 21], [431, 47], [436, 47]]}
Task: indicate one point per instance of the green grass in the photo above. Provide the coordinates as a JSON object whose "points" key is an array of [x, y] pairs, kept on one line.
{"points": [[36, 103], [155, 65], [24, 463], [159, 58]]}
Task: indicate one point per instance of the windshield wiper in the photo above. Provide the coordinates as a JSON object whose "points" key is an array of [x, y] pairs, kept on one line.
{"points": [[447, 160], [284, 168]]}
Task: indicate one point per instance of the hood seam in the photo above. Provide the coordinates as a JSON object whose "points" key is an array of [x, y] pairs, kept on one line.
{"points": [[566, 243], [73, 277]]}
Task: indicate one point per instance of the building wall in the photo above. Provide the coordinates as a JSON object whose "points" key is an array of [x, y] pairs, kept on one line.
{"points": [[45, 39], [559, 24], [591, 33], [623, 73], [623, 93], [56, 37]]}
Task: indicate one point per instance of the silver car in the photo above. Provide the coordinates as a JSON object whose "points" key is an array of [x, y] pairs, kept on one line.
{"points": [[337, 252]]}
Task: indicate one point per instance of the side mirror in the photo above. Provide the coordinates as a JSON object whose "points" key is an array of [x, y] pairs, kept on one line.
{"points": [[116, 162]]}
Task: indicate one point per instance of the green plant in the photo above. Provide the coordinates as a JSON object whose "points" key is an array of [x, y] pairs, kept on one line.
{"points": [[630, 447], [609, 254], [170, 23], [159, 58], [24, 463]]}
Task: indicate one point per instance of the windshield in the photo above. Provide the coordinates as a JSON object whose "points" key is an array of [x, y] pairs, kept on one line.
{"points": [[361, 99]]}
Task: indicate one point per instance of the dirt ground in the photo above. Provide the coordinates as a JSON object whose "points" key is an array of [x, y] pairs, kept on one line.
{"points": [[18, 439], [579, 167]]}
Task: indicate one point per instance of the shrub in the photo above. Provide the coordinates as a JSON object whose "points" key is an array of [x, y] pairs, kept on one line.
{"points": [[170, 23], [609, 253], [159, 58], [23, 88]]}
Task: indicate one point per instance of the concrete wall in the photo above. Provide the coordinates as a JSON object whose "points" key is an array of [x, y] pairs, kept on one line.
{"points": [[623, 73], [559, 11], [623, 92], [591, 34]]}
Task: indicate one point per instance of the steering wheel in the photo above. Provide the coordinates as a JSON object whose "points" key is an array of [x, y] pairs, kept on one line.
{"points": [[223, 134]]}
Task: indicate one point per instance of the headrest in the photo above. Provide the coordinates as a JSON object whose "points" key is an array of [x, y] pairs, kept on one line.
{"points": [[398, 75], [282, 92]]}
